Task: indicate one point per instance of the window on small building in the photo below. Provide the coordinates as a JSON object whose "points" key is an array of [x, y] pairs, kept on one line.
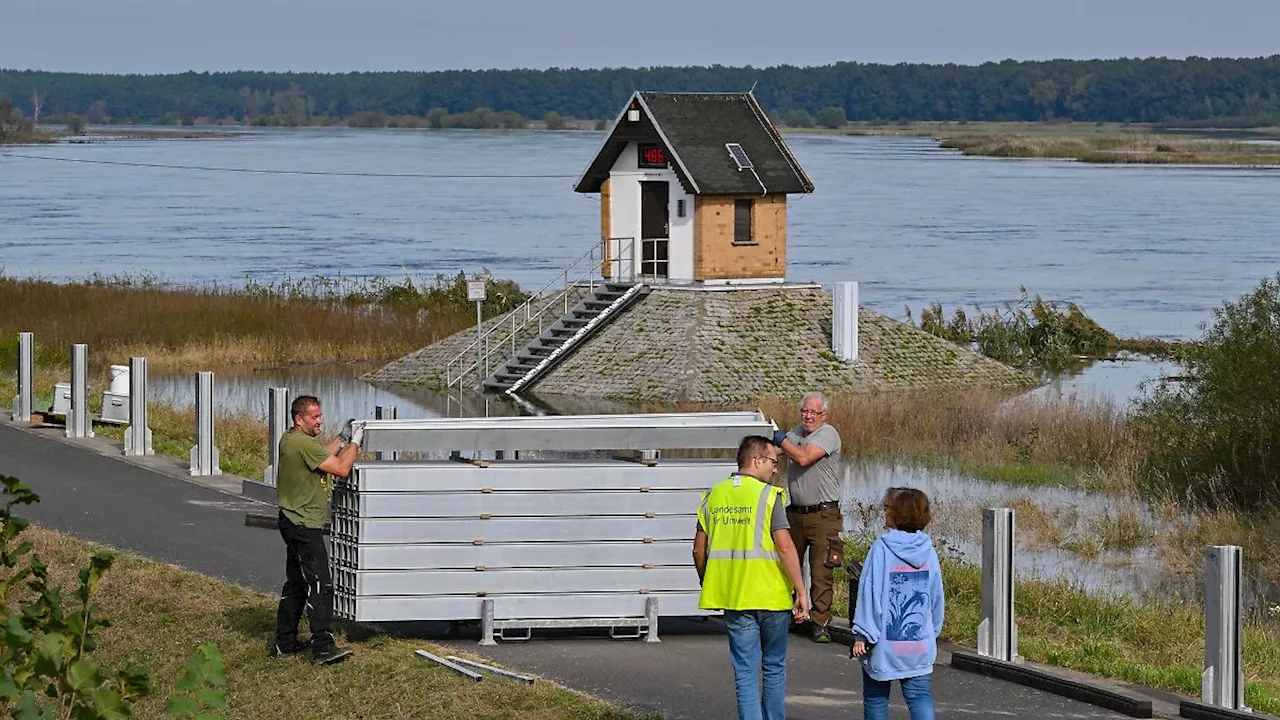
{"points": [[742, 234]]}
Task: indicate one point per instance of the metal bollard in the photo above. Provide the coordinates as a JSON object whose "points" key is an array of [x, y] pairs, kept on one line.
{"points": [[384, 412], [137, 438], [844, 321], [651, 616], [278, 422], [486, 622], [1222, 683], [998, 631], [78, 423], [204, 455], [23, 402]]}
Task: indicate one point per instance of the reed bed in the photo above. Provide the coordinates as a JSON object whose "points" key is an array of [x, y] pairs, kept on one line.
{"points": [[1128, 148]]}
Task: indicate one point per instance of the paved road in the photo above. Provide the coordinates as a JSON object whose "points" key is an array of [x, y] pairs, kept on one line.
{"points": [[687, 675]]}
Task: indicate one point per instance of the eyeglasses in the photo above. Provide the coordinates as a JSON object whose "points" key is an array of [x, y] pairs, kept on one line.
{"points": [[812, 412], [770, 459]]}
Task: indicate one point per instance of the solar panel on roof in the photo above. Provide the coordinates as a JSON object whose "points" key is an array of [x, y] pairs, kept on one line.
{"points": [[739, 155]]}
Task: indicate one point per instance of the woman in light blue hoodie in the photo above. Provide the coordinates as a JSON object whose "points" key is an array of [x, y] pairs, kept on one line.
{"points": [[900, 609]]}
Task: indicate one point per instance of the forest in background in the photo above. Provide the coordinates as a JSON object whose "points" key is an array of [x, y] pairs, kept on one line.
{"points": [[1222, 92]]}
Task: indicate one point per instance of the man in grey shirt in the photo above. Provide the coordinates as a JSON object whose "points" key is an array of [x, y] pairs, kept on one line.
{"points": [[813, 490]]}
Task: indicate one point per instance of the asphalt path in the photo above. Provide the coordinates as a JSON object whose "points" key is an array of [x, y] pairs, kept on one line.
{"points": [[159, 514]]}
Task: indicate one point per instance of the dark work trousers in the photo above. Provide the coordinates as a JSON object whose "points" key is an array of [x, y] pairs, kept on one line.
{"points": [[308, 584], [815, 532]]}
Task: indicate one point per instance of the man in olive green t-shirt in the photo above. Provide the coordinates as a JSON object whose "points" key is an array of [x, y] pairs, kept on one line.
{"points": [[303, 488]]}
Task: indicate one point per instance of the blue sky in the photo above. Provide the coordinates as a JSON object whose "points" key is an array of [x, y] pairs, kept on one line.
{"points": [[153, 36]]}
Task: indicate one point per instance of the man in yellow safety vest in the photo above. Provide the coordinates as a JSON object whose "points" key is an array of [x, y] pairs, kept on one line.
{"points": [[748, 567]]}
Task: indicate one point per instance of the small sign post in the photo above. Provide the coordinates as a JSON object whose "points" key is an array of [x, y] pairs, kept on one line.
{"points": [[475, 292]]}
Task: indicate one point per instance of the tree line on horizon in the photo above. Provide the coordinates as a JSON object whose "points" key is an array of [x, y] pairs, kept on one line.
{"points": [[1226, 91]]}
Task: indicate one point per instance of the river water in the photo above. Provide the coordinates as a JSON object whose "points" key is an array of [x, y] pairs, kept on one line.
{"points": [[1146, 250]]}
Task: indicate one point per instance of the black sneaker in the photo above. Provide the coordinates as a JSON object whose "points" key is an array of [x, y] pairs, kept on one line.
{"points": [[329, 655], [279, 650]]}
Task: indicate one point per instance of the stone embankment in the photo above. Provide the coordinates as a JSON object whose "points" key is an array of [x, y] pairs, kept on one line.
{"points": [[731, 346]]}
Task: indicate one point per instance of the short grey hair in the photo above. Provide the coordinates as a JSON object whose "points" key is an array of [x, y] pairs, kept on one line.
{"points": [[815, 396]]}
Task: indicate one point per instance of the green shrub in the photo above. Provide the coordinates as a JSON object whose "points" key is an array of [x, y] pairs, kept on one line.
{"points": [[1214, 435]]}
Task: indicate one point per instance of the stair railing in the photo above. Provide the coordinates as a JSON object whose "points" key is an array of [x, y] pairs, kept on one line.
{"points": [[613, 258]]}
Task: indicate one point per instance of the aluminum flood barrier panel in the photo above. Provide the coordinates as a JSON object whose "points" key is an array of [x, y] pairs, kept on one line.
{"points": [[1222, 683], [24, 400], [998, 630], [657, 431], [520, 544]]}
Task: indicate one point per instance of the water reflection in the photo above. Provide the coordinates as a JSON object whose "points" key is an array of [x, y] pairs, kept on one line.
{"points": [[958, 501], [1119, 380]]}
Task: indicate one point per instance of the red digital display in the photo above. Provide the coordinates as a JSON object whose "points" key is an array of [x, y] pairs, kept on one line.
{"points": [[652, 156]]}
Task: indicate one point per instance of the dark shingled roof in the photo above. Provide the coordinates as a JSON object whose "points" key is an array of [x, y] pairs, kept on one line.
{"points": [[695, 127]]}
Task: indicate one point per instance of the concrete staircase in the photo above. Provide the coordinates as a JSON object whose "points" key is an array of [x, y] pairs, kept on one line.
{"points": [[559, 340]]}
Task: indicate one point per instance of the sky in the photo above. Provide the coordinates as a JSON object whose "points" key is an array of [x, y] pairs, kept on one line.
{"points": [[160, 36]]}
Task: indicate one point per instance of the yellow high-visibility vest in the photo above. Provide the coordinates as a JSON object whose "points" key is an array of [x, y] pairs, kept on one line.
{"points": [[742, 562]]}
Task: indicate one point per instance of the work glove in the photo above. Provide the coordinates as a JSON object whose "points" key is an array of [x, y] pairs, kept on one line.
{"points": [[779, 436], [345, 433], [357, 432]]}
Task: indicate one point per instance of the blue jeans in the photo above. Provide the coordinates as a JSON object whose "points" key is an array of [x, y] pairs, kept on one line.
{"points": [[759, 638], [917, 691]]}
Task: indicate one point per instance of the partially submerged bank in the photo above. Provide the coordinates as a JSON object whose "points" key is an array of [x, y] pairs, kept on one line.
{"points": [[1130, 149]]}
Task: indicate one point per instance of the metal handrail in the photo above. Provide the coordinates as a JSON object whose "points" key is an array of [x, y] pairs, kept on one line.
{"points": [[511, 324]]}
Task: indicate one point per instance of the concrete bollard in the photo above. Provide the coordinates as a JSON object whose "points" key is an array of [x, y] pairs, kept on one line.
{"points": [[1222, 683], [137, 438], [278, 423], [998, 631], [204, 455], [25, 399], [844, 321], [384, 412], [79, 424]]}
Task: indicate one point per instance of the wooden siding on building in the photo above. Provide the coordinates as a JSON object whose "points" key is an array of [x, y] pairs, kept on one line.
{"points": [[606, 231], [717, 257]]}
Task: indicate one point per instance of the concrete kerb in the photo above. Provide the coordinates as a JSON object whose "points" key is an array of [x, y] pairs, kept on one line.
{"points": [[159, 464], [1117, 696]]}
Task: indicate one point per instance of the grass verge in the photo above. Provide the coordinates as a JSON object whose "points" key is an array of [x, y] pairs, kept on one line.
{"points": [[1154, 644], [161, 613]]}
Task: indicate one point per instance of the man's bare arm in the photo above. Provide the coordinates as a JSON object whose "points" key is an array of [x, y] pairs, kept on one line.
{"points": [[340, 465], [334, 445], [700, 553], [802, 455]]}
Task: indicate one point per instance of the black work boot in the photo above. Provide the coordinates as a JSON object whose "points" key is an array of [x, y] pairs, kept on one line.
{"points": [[325, 652], [284, 650]]}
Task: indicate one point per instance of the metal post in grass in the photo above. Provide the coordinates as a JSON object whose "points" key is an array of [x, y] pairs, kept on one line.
{"points": [[998, 631], [1222, 683], [204, 455], [278, 422], [137, 438], [844, 321], [24, 400], [384, 412], [78, 422]]}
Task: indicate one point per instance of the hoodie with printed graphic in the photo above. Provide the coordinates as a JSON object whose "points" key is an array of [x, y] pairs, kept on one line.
{"points": [[900, 606]]}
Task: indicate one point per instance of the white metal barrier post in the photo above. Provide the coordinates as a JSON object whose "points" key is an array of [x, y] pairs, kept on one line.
{"points": [[476, 292], [998, 631], [78, 423], [23, 402], [384, 412], [204, 455], [137, 437], [1222, 683], [278, 422], [844, 321]]}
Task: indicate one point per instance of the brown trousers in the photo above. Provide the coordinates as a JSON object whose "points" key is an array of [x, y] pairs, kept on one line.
{"points": [[814, 533]]}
